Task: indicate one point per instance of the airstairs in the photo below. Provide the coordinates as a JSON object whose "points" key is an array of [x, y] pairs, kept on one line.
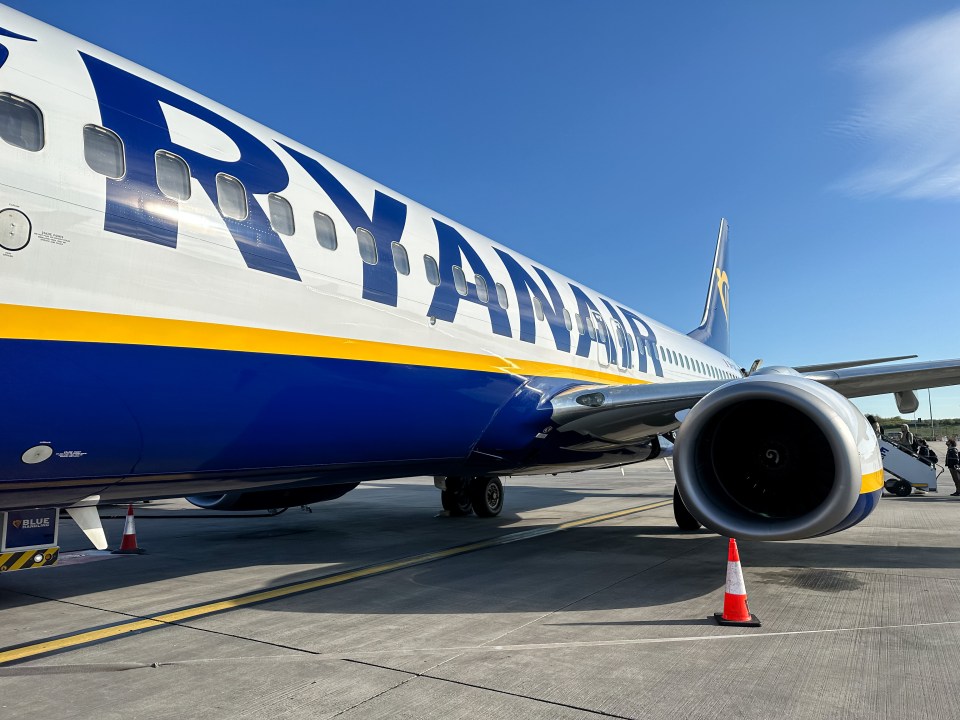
{"points": [[909, 471]]}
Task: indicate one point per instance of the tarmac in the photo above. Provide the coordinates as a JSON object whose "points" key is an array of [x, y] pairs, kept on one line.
{"points": [[582, 600]]}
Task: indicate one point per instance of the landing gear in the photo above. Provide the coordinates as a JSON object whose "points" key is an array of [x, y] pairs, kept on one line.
{"points": [[685, 521], [486, 496], [456, 498], [463, 495]]}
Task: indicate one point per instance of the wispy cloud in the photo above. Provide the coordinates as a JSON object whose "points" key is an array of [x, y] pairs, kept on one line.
{"points": [[909, 117]]}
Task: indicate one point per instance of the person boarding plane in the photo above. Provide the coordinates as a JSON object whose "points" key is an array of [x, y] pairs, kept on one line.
{"points": [[194, 305]]}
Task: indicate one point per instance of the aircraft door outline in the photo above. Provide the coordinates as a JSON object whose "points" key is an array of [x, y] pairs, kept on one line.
{"points": [[603, 338], [626, 355]]}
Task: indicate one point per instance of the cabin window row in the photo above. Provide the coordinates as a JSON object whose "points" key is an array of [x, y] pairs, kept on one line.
{"points": [[21, 125], [694, 365]]}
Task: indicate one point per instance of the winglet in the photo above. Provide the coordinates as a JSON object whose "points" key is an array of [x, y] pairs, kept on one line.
{"points": [[714, 330]]}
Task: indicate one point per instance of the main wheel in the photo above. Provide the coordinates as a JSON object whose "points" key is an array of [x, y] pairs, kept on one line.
{"points": [[457, 504], [685, 521], [486, 496]]}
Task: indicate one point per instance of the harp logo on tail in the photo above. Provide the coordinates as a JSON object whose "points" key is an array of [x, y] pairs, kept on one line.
{"points": [[723, 286]]}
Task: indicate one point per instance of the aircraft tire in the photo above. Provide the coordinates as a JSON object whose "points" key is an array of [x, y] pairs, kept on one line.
{"points": [[457, 504], [486, 496], [685, 521]]}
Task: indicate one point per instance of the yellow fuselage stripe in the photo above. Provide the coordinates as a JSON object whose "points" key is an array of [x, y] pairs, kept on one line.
{"points": [[21, 322], [189, 613]]}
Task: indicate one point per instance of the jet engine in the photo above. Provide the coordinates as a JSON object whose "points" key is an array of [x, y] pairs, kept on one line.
{"points": [[270, 499], [776, 456]]}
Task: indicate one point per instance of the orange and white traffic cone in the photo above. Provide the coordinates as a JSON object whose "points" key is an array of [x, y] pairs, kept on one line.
{"points": [[735, 610], [128, 546]]}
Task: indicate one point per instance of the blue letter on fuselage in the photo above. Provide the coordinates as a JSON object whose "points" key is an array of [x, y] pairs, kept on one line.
{"points": [[131, 107], [646, 341], [526, 288], [584, 306], [626, 355], [454, 249], [386, 226]]}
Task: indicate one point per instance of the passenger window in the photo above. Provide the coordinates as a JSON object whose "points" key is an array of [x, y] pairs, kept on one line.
{"points": [[580, 328], [173, 175], [231, 197], [591, 330], [620, 337], [368, 246], [538, 308], [326, 231], [400, 259], [502, 296], [482, 292], [103, 151], [601, 331], [459, 280], [21, 123], [281, 214], [433, 272], [567, 322]]}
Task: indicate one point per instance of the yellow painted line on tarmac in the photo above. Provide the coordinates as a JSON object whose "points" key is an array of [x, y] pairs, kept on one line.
{"points": [[101, 634]]}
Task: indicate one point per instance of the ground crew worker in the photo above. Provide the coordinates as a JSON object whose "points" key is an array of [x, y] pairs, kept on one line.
{"points": [[952, 462]]}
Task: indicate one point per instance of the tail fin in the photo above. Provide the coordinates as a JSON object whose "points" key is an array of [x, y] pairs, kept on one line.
{"points": [[714, 330]]}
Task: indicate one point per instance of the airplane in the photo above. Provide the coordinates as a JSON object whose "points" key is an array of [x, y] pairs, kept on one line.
{"points": [[193, 305]]}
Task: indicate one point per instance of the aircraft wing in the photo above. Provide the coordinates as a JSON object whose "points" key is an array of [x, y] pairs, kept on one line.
{"points": [[861, 381], [625, 413]]}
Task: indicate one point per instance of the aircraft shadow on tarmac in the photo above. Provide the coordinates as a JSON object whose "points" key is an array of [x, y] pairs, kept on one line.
{"points": [[609, 566]]}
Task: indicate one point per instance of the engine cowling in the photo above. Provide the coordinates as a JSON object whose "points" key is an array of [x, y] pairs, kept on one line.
{"points": [[270, 499], [777, 457]]}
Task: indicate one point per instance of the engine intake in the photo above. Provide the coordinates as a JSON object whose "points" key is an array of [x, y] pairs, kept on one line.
{"points": [[776, 457]]}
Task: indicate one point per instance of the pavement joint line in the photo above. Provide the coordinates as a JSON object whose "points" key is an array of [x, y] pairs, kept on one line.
{"points": [[312, 656], [634, 641], [67, 641], [498, 691]]}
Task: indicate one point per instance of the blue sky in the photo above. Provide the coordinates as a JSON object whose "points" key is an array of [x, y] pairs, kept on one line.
{"points": [[607, 139]]}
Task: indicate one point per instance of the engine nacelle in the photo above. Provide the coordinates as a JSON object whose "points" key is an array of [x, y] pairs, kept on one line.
{"points": [[777, 457], [270, 499]]}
